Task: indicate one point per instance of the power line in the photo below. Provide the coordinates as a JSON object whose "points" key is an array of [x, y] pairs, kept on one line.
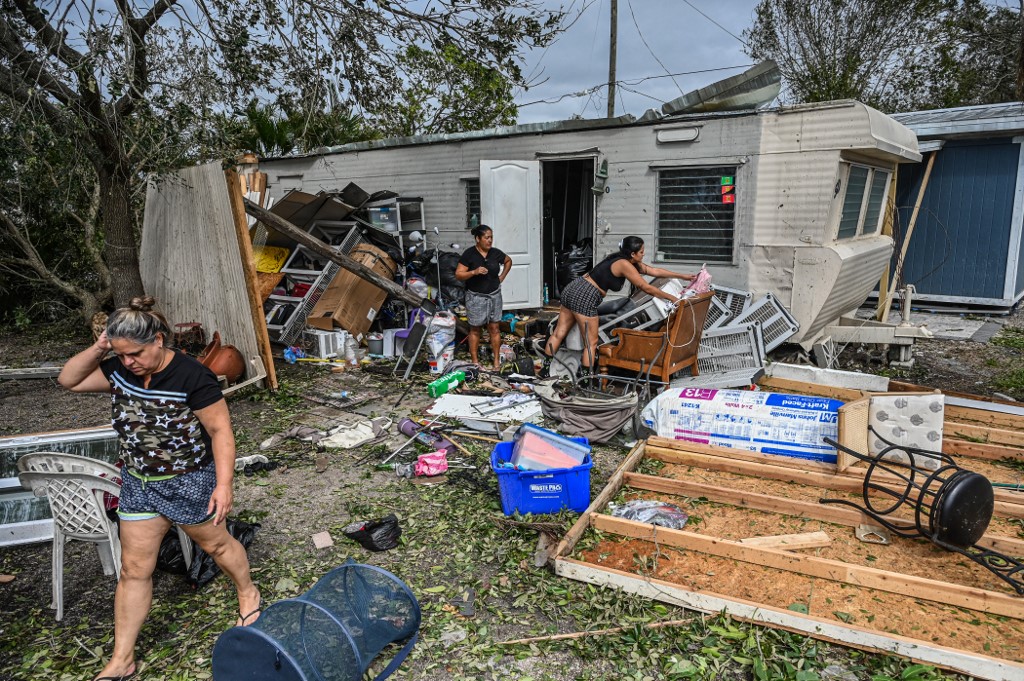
{"points": [[590, 90], [644, 41], [716, 23]]}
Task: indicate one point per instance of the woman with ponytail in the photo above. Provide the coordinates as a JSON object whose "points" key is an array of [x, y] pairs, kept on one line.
{"points": [[581, 296], [178, 455]]}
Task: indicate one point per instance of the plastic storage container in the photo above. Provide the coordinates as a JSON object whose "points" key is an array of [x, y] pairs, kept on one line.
{"points": [[539, 449], [541, 491]]}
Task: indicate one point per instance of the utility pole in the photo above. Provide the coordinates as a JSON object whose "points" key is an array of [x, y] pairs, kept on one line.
{"points": [[611, 58]]}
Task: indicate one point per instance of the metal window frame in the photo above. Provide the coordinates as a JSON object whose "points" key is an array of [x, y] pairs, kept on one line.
{"points": [[873, 171], [734, 166]]}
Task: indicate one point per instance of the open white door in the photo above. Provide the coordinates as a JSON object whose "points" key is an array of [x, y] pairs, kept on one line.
{"points": [[510, 205]]}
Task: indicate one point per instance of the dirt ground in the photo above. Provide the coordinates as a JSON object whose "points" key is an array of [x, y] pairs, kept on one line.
{"points": [[454, 550]]}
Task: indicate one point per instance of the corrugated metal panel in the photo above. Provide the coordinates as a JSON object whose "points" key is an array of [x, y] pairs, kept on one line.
{"points": [[1005, 118], [959, 244]]}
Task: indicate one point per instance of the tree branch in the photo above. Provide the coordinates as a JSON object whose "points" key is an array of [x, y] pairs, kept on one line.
{"points": [[53, 41]]}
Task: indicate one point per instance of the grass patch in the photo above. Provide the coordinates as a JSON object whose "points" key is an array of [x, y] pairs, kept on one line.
{"points": [[1010, 337], [1012, 383]]}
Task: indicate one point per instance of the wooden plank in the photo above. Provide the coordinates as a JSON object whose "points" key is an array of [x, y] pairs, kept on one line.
{"points": [[986, 452], [982, 434], [790, 542], [1009, 504], [343, 260], [853, 636], [610, 490], [29, 372], [884, 315], [805, 388], [887, 224], [812, 566], [952, 412], [190, 258], [248, 264], [829, 513]]}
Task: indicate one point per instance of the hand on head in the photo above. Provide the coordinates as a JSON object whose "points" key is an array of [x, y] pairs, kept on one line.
{"points": [[102, 343]]}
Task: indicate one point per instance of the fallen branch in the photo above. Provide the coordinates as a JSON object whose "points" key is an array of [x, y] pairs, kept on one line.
{"points": [[595, 632]]}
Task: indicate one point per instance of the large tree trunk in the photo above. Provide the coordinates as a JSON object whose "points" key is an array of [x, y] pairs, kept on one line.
{"points": [[120, 250]]}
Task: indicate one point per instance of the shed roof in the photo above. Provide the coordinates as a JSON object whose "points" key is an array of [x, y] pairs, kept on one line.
{"points": [[966, 121]]}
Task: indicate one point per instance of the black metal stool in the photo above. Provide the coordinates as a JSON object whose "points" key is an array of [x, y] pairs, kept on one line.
{"points": [[952, 506]]}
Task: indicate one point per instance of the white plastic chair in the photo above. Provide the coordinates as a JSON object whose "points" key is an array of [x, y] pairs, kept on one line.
{"points": [[75, 486]]}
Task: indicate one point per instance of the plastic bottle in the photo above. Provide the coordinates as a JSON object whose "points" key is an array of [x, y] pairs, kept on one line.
{"points": [[350, 351], [446, 383], [546, 298]]}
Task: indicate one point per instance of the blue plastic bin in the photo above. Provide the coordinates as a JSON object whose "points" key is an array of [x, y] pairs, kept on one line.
{"points": [[541, 491]]}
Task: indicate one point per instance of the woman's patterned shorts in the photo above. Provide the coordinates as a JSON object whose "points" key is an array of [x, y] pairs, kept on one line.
{"points": [[581, 297], [182, 499]]}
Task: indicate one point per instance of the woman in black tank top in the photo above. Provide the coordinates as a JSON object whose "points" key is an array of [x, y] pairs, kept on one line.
{"points": [[581, 297]]}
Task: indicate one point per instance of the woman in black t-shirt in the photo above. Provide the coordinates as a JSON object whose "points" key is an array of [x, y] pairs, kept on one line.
{"points": [[178, 449], [580, 298], [483, 268]]}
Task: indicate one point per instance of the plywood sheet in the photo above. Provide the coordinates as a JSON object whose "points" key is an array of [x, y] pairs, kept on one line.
{"points": [[190, 258]]}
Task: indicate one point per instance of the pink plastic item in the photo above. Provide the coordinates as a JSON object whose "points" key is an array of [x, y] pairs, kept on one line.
{"points": [[700, 284], [433, 463]]}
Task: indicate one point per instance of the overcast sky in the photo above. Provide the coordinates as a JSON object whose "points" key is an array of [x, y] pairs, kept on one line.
{"points": [[676, 35]]}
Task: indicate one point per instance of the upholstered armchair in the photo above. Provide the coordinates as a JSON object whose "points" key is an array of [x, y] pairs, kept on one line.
{"points": [[664, 352]]}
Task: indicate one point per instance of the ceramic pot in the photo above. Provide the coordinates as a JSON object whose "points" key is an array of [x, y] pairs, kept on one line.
{"points": [[223, 360]]}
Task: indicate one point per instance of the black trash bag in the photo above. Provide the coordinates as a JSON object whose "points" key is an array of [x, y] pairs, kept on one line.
{"points": [[203, 568], [573, 263], [170, 558], [375, 535]]}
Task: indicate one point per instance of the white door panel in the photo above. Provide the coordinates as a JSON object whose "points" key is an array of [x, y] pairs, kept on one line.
{"points": [[510, 205]]}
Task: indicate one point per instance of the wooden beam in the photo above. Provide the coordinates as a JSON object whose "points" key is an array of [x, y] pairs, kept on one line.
{"points": [[1008, 504], [259, 322], [805, 388], [887, 230], [790, 542], [953, 413], [29, 372], [829, 513], [982, 434], [906, 238], [582, 634], [987, 417], [607, 494], [976, 450], [320, 248], [924, 652], [812, 566]]}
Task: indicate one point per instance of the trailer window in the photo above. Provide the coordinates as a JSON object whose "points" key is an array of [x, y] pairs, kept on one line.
{"points": [[866, 188], [472, 203], [696, 214]]}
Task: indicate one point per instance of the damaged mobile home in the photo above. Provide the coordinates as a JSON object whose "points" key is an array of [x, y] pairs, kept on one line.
{"points": [[789, 200]]}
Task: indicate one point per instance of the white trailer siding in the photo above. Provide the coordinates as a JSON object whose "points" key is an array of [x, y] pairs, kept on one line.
{"points": [[789, 188]]}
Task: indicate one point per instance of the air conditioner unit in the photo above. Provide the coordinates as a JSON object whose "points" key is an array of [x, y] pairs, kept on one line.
{"points": [[324, 344]]}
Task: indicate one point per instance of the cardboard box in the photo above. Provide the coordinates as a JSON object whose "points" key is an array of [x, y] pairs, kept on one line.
{"points": [[352, 303]]}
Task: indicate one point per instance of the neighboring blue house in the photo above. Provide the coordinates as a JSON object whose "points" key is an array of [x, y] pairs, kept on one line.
{"points": [[966, 247]]}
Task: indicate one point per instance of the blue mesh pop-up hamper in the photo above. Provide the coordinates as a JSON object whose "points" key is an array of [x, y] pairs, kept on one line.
{"points": [[330, 633]]}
